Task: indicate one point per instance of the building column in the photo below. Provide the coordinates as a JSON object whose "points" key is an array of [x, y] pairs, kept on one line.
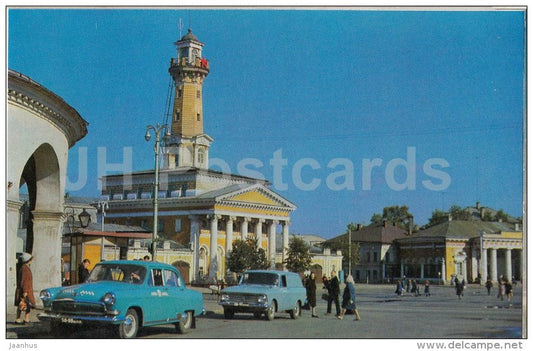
{"points": [[12, 225], [484, 266], [244, 228], [421, 270], [493, 265], [229, 233], [474, 273], [443, 270], [402, 273], [213, 245], [272, 243], [285, 247], [259, 231], [46, 266], [508, 265], [195, 245]]}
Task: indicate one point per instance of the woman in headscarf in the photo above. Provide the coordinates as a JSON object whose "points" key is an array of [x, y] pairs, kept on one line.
{"points": [[25, 298], [348, 298]]}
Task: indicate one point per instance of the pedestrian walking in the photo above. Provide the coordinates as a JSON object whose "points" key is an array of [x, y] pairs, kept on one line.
{"points": [[334, 291], [508, 290], [348, 299], [488, 285], [501, 288], [458, 288], [83, 271], [24, 295], [426, 288], [399, 288], [311, 294], [414, 288]]}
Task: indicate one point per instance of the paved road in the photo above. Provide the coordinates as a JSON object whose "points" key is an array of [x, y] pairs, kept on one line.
{"points": [[384, 315]]}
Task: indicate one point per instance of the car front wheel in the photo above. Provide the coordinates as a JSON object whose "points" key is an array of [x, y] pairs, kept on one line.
{"points": [[271, 311], [295, 313], [130, 327], [185, 323]]}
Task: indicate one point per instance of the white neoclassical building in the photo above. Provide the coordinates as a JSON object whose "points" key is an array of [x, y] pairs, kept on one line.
{"points": [[41, 127]]}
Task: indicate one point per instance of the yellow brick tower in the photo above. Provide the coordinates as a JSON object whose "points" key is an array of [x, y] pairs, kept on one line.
{"points": [[188, 146]]}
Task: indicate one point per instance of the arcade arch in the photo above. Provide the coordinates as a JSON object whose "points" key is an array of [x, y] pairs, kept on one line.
{"points": [[36, 162]]}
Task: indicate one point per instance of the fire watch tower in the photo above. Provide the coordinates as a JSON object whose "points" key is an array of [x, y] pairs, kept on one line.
{"points": [[188, 145]]}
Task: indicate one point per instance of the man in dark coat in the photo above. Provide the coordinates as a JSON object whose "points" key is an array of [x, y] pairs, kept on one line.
{"points": [[310, 286], [334, 291], [83, 271]]}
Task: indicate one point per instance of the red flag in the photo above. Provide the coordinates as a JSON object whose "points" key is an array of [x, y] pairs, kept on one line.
{"points": [[204, 62]]}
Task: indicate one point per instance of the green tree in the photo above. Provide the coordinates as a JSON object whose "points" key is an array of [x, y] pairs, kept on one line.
{"points": [[298, 255], [246, 254], [459, 214], [394, 214], [501, 215], [437, 217], [488, 217]]}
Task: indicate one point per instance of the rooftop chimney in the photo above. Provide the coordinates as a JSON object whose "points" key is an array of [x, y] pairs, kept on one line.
{"points": [[359, 226]]}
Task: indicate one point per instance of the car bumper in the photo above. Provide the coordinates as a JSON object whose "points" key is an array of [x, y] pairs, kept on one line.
{"points": [[79, 319], [244, 306]]}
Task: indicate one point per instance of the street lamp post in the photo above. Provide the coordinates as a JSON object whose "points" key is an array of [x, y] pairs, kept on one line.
{"points": [[102, 206], [350, 251], [157, 130]]}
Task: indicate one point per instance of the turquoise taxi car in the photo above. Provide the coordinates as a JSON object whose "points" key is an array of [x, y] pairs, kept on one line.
{"points": [[125, 295], [264, 292]]}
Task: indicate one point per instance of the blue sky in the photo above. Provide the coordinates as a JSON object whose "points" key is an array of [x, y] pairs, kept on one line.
{"points": [[345, 112]]}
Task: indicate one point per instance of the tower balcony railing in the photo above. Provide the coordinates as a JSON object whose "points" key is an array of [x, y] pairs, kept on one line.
{"points": [[201, 63]]}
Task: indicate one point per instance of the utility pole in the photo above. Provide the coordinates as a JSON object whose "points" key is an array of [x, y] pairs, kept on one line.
{"points": [[349, 250]]}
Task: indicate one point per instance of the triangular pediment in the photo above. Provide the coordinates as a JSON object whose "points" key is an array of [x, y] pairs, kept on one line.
{"points": [[257, 195]]}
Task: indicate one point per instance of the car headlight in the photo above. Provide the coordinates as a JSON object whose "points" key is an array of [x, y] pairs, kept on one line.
{"points": [[109, 299], [224, 297], [262, 299], [45, 295]]}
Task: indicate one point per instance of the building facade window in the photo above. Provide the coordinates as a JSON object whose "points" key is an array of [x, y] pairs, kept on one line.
{"points": [[177, 225], [198, 117], [201, 156]]}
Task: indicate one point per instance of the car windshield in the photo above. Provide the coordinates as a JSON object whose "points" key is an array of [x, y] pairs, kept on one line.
{"points": [[126, 273], [260, 278]]}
